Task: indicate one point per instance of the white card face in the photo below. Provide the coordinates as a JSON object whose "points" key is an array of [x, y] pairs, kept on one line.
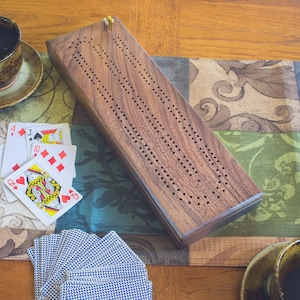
{"points": [[10, 197], [20, 137], [15, 152], [1, 154], [60, 158], [44, 193], [58, 134]]}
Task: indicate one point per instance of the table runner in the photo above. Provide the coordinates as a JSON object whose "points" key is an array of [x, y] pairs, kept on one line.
{"points": [[252, 107]]}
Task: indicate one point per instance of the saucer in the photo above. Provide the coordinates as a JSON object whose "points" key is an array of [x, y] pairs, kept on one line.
{"points": [[258, 272], [28, 79]]}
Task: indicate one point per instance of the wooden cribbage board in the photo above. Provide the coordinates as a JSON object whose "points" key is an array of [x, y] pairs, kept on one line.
{"points": [[189, 178]]}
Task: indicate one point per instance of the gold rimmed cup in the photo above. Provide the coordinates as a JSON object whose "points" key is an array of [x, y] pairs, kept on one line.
{"points": [[285, 282], [10, 52]]}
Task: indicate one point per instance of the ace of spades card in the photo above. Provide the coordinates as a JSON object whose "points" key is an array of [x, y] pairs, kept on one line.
{"points": [[42, 192]]}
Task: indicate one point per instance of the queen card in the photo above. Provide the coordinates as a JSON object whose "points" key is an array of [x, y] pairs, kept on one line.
{"points": [[42, 190]]}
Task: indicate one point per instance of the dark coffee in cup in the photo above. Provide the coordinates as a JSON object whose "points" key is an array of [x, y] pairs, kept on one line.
{"points": [[10, 52], [9, 37], [291, 285], [285, 281]]}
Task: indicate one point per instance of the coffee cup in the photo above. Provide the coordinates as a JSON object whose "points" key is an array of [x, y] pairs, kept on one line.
{"points": [[10, 52], [285, 281]]}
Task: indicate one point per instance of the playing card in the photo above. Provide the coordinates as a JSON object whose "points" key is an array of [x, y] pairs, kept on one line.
{"points": [[44, 193], [120, 253], [78, 265], [30, 252], [129, 288], [40, 254], [10, 196], [36, 269], [16, 149], [108, 272], [47, 250], [110, 250], [78, 257], [15, 152], [53, 134], [60, 158], [7, 193], [70, 243], [1, 154]]}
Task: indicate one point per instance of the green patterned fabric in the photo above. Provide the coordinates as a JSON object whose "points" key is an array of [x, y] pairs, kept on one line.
{"points": [[112, 202], [273, 161]]}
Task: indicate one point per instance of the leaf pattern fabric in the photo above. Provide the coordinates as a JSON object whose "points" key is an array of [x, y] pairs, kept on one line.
{"points": [[261, 96], [251, 106], [273, 162]]}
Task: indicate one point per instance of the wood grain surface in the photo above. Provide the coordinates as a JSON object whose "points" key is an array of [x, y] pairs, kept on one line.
{"points": [[191, 181], [239, 29]]}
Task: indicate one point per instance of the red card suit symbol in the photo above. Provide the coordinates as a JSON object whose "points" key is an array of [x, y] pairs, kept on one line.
{"points": [[62, 154], [65, 198], [20, 180], [44, 153], [60, 167], [52, 160], [22, 132], [16, 167]]}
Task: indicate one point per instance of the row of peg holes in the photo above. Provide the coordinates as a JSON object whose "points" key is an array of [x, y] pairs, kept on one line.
{"points": [[131, 130]]}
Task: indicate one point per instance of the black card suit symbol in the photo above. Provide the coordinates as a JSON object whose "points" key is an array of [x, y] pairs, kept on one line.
{"points": [[37, 136]]}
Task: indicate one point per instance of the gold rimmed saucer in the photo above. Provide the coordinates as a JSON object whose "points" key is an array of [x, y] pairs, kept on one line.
{"points": [[257, 275], [28, 79]]}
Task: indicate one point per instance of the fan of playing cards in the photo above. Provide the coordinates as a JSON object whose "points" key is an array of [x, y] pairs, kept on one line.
{"points": [[76, 265], [38, 167]]}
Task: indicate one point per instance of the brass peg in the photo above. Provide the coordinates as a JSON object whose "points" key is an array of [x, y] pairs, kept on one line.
{"points": [[111, 22]]}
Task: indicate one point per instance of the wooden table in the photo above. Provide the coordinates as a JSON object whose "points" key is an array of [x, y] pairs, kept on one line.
{"points": [[239, 29]]}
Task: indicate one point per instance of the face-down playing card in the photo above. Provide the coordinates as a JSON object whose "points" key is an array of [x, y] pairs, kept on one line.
{"points": [[130, 288], [109, 250], [78, 265], [108, 272], [121, 281], [41, 254], [75, 254], [42, 191], [70, 242]]}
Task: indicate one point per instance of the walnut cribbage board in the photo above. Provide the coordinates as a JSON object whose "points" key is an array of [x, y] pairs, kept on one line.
{"points": [[189, 178]]}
